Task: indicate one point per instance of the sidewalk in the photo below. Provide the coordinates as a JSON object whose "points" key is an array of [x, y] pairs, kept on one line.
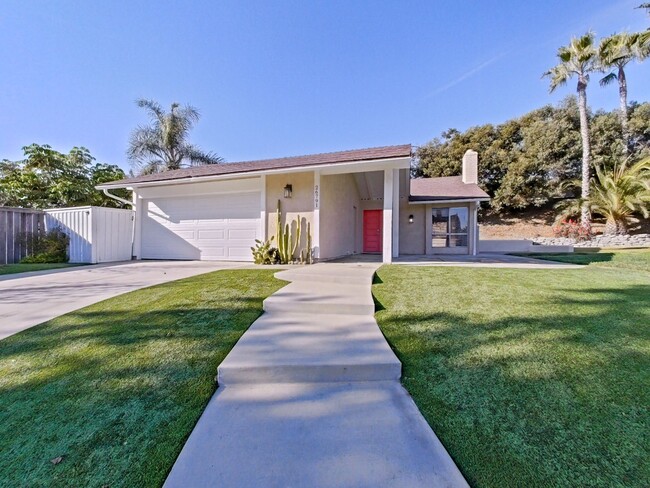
{"points": [[310, 396]]}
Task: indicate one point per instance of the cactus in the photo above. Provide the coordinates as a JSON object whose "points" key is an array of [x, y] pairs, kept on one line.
{"points": [[297, 242], [287, 243], [288, 247], [263, 253], [308, 250]]}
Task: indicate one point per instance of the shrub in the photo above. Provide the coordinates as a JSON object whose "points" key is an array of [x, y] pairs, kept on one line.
{"points": [[47, 247], [263, 253], [571, 229]]}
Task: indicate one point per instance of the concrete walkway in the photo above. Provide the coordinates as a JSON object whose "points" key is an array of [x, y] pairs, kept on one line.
{"points": [[26, 301], [310, 396], [483, 260]]}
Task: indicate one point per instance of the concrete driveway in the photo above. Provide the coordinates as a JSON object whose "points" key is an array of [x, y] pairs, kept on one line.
{"points": [[26, 301]]}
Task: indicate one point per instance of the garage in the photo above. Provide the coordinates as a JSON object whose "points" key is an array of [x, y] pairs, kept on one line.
{"points": [[212, 227]]}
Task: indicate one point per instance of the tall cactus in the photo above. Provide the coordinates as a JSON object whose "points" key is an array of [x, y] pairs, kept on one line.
{"points": [[297, 243], [287, 246], [309, 256]]}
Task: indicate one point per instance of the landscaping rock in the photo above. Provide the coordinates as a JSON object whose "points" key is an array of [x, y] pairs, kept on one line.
{"points": [[635, 240]]}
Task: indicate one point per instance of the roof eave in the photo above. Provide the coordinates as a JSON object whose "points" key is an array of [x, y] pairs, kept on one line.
{"points": [[448, 200], [252, 173]]}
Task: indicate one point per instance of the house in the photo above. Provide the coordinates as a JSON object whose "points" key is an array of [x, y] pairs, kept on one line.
{"points": [[360, 201]]}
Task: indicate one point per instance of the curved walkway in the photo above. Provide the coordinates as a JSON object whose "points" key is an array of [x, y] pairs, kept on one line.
{"points": [[310, 396]]}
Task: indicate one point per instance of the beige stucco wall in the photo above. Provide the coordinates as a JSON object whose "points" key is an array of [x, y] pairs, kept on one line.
{"points": [[412, 238], [340, 216], [300, 204]]}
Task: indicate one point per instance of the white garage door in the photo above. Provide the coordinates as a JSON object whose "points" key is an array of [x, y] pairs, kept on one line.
{"points": [[206, 227]]}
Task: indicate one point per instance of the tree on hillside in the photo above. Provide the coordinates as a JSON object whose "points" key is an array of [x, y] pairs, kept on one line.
{"points": [[614, 53], [47, 178], [548, 154], [163, 144], [524, 161], [521, 160], [578, 59], [442, 157]]}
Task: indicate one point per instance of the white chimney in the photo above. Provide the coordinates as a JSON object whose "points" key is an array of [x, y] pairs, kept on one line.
{"points": [[470, 167]]}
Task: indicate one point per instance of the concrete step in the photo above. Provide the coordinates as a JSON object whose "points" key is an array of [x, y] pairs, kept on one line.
{"points": [[300, 348], [321, 298], [360, 274]]}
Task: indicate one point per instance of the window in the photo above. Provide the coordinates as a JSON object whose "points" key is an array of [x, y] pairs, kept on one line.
{"points": [[449, 227]]}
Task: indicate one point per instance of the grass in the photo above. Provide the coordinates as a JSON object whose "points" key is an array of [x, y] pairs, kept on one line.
{"points": [[530, 378], [116, 388], [23, 268], [637, 259]]}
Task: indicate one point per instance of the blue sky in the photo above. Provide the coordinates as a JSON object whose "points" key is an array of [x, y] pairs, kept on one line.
{"points": [[290, 77]]}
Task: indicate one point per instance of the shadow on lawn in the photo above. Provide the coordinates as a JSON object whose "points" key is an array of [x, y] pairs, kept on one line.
{"points": [[562, 390]]}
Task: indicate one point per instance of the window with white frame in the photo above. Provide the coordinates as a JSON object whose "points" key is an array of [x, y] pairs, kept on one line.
{"points": [[450, 227]]}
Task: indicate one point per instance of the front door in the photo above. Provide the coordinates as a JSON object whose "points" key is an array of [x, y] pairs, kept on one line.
{"points": [[372, 230]]}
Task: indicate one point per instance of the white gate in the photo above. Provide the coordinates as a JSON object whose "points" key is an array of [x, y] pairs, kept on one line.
{"points": [[97, 234]]}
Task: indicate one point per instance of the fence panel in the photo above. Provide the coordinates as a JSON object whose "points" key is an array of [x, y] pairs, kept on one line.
{"points": [[14, 223]]}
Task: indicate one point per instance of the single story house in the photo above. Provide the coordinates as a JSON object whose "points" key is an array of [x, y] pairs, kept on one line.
{"points": [[360, 201]]}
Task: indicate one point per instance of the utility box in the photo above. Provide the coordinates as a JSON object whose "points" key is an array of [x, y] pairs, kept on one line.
{"points": [[97, 234]]}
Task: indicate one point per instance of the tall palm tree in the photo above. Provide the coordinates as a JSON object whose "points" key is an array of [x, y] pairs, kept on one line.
{"points": [[162, 145], [614, 53], [578, 59]]}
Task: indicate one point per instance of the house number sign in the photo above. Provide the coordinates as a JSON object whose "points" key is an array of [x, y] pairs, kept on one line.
{"points": [[316, 196]]}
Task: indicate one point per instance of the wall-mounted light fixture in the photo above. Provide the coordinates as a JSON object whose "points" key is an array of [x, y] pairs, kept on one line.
{"points": [[288, 190], [411, 219]]}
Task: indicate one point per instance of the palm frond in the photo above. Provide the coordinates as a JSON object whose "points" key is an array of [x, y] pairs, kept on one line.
{"points": [[606, 80], [576, 59], [197, 157], [622, 191]]}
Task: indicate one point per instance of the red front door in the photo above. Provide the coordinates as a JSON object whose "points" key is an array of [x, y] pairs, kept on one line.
{"points": [[372, 230]]}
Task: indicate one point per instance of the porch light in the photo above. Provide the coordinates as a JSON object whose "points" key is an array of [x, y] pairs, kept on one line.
{"points": [[411, 219], [288, 190]]}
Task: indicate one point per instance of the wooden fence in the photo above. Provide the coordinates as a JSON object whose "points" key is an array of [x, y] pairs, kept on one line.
{"points": [[15, 224]]}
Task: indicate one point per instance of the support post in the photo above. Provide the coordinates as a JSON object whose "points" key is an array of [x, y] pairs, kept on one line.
{"points": [[315, 231], [396, 212], [473, 237], [139, 207], [387, 246]]}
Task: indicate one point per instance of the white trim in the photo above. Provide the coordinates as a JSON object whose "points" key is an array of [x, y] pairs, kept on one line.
{"points": [[367, 164], [461, 200], [315, 238], [387, 241]]}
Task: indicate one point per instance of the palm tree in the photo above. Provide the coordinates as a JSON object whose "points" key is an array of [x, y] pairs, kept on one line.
{"points": [[616, 194], [614, 53], [578, 59], [620, 193], [162, 145]]}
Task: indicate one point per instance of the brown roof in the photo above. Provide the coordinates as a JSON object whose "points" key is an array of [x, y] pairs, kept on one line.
{"points": [[374, 153], [444, 188]]}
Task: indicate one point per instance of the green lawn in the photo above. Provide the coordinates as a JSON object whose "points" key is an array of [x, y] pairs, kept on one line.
{"points": [[638, 259], [23, 268], [531, 378], [116, 388]]}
